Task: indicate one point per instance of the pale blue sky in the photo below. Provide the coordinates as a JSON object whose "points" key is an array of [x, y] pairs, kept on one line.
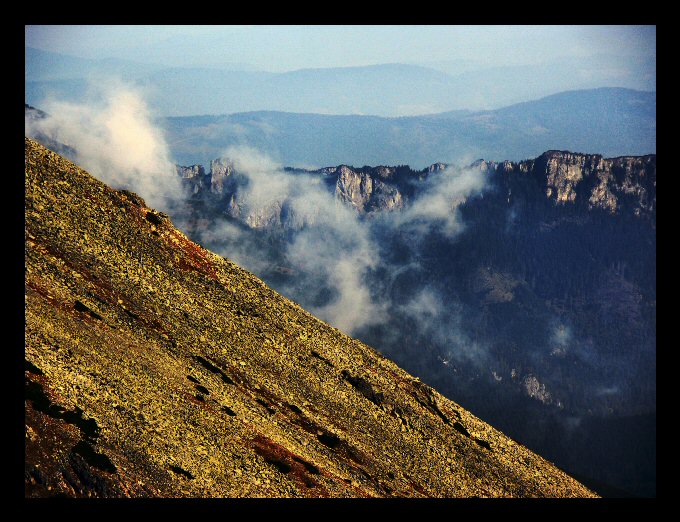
{"points": [[282, 48]]}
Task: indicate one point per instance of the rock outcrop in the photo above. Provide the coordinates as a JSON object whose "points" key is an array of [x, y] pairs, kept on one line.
{"points": [[366, 191], [220, 170], [626, 183], [436, 167], [194, 177]]}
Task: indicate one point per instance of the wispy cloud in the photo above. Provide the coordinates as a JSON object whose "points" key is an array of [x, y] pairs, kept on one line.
{"points": [[115, 139]]}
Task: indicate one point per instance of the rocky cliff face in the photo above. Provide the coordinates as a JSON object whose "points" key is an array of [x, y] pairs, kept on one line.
{"points": [[274, 216], [157, 368], [194, 177], [366, 191], [202, 182], [626, 183], [436, 167], [220, 170]]}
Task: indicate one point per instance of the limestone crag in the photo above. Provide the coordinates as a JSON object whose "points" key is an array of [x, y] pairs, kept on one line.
{"points": [[193, 177], [353, 188], [436, 167], [276, 215], [192, 172], [220, 170], [625, 183], [484, 166], [365, 193], [536, 390], [563, 173]]}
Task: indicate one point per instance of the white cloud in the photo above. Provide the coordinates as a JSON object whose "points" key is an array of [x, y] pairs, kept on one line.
{"points": [[115, 140]]}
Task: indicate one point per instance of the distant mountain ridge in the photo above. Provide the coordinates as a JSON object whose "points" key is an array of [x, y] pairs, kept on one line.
{"points": [[608, 121], [388, 89], [44, 67]]}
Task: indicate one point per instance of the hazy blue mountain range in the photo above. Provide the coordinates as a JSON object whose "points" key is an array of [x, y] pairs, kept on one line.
{"points": [[46, 66], [610, 121], [515, 83], [381, 89]]}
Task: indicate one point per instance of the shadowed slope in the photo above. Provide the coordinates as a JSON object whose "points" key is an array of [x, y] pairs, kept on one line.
{"points": [[157, 368]]}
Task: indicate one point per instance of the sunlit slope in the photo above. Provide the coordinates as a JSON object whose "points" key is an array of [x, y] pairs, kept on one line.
{"points": [[157, 368]]}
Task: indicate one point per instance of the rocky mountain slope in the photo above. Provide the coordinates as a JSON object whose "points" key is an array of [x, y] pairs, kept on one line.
{"points": [[157, 368]]}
